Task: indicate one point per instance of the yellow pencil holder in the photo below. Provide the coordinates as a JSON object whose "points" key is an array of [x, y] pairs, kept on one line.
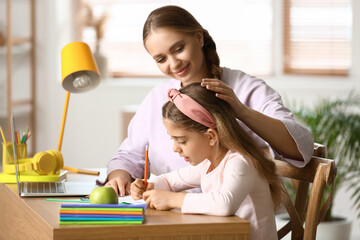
{"points": [[8, 154]]}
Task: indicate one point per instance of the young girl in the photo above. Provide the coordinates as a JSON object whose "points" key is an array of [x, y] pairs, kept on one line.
{"points": [[185, 52], [235, 176]]}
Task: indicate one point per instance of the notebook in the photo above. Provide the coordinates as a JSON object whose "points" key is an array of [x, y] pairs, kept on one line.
{"points": [[44, 189]]}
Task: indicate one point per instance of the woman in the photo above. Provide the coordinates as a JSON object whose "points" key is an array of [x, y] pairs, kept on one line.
{"points": [[184, 51]]}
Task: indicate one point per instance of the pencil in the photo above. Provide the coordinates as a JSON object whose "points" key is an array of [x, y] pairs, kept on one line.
{"points": [[146, 165], [82, 171], [3, 136], [28, 136], [17, 137], [23, 138]]}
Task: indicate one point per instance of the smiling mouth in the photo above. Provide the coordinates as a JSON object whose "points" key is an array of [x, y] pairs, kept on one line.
{"points": [[182, 71]]}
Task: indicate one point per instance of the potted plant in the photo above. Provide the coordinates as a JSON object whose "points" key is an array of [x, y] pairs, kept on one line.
{"points": [[335, 123]]}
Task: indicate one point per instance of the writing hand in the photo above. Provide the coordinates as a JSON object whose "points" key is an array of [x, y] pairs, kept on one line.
{"points": [[164, 200], [137, 188]]}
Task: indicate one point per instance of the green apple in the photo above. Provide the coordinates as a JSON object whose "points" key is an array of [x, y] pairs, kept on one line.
{"points": [[103, 195]]}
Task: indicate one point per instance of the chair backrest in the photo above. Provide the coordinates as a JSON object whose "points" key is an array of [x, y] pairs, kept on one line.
{"points": [[320, 150], [307, 207]]}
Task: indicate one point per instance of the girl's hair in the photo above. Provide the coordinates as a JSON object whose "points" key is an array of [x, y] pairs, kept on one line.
{"points": [[231, 135], [177, 18]]}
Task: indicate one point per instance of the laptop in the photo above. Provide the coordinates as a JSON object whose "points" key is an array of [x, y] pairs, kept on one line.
{"points": [[45, 189]]}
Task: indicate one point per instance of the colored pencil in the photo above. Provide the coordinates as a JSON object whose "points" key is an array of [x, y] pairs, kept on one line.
{"points": [[75, 170], [28, 136], [146, 165], [3, 136]]}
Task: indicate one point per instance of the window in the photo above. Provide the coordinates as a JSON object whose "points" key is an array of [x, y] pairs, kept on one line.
{"points": [[317, 36], [240, 45]]}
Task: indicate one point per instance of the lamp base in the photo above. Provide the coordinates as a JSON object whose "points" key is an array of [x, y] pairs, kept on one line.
{"points": [[34, 177]]}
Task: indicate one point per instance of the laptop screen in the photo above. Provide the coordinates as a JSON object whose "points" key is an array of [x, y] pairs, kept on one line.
{"points": [[13, 137]]}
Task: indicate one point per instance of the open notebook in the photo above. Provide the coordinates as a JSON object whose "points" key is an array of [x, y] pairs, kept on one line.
{"points": [[43, 189]]}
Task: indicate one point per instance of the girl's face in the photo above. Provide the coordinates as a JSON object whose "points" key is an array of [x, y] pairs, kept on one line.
{"points": [[178, 55], [193, 146]]}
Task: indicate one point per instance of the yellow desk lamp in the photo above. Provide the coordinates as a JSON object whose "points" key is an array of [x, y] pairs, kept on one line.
{"points": [[79, 73]]}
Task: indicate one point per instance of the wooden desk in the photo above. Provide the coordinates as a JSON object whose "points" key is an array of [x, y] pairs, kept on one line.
{"points": [[35, 218]]}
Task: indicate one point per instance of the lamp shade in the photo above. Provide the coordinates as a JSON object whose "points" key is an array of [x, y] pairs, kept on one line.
{"points": [[78, 68]]}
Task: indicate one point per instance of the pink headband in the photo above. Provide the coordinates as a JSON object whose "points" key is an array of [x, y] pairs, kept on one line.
{"points": [[191, 108]]}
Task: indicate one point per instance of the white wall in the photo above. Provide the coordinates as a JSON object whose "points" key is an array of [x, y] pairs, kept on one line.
{"points": [[92, 130]]}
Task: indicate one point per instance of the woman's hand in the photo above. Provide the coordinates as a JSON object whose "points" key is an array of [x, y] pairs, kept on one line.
{"points": [[120, 180], [164, 200], [137, 188], [226, 93], [270, 129]]}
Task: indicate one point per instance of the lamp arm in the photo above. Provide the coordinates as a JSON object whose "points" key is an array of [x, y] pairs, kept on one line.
{"points": [[63, 120]]}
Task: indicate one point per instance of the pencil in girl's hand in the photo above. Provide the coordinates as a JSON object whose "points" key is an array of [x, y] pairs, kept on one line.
{"points": [[3, 136], [146, 165]]}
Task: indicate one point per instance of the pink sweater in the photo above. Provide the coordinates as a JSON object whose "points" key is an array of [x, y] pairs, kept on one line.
{"points": [[147, 126], [232, 188]]}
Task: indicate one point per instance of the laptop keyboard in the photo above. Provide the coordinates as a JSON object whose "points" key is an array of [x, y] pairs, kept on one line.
{"points": [[43, 187]]}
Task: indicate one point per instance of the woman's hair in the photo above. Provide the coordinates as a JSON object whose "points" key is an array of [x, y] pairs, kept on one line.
{"points": [[231, 135], [177, 18]]}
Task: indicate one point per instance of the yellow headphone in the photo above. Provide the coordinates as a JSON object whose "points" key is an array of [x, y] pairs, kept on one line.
{"points": [[42, 163]]}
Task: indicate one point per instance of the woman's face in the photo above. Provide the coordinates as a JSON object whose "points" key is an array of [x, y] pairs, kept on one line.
{"points": [[178, 55]]}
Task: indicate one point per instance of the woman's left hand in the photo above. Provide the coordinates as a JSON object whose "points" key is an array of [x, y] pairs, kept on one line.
{"points": [[163, 200], [226, 93]]}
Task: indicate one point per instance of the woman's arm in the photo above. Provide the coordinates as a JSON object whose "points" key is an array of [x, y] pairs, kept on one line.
{"points": [[270, 129], [128, 162]]}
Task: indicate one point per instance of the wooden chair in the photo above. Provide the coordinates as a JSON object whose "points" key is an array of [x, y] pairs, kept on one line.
{"points": [[320, 150], [307, 207]]}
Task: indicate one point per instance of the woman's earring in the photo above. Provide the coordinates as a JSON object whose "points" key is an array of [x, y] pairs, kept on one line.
{"points": [[202, 45]]}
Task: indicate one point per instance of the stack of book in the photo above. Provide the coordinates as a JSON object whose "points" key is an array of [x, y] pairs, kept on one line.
{"points": [[102, 213]]}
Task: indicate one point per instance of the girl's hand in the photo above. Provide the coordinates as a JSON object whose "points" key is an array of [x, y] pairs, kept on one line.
{"points": [[226, 93], [120, 180], [164, 200], [137, 188]]}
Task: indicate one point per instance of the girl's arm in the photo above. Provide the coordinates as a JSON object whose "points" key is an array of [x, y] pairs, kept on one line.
{"points": [[167, 193], [164, 200], [178, 180], [239, 178]]}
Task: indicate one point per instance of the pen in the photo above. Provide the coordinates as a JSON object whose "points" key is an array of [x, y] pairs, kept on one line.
{"points": [[66, 200], [146, 164], [81, 171]]}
